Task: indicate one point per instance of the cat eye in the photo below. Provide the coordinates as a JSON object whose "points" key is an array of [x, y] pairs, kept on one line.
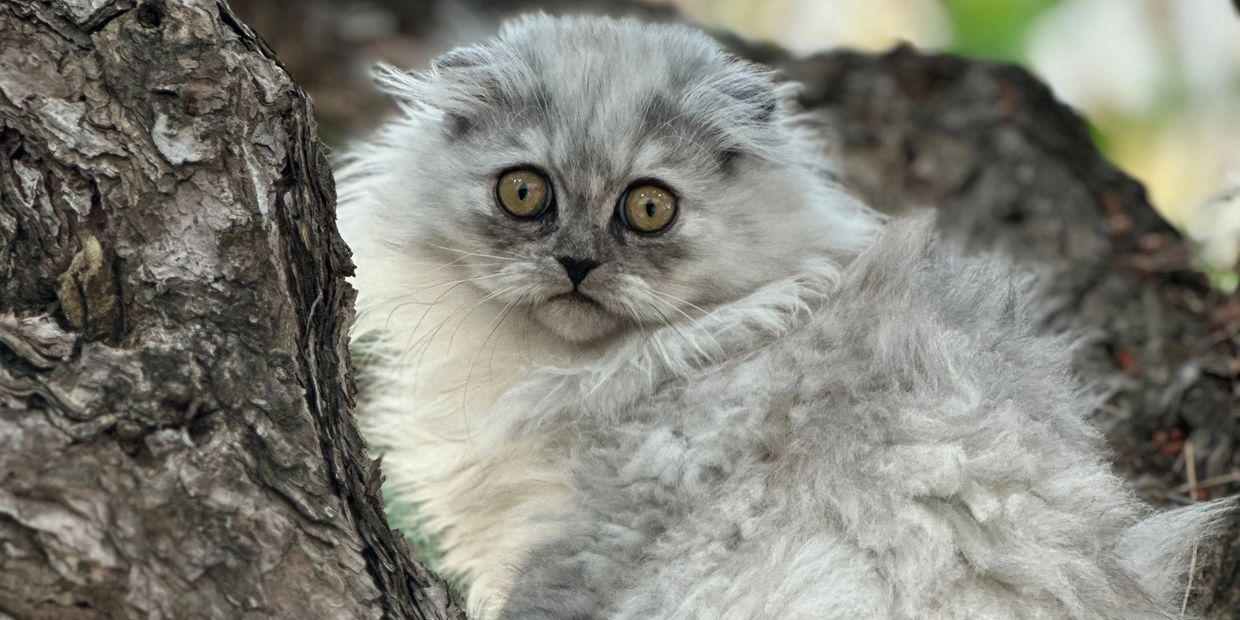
{"points": [[523, 192], [648, 208]]}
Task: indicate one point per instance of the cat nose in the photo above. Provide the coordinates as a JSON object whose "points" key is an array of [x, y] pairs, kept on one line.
{"points": [[577, 268]]}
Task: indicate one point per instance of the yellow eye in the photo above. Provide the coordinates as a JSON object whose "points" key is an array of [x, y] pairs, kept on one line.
{"points": [[523, 192], [648, 208]]}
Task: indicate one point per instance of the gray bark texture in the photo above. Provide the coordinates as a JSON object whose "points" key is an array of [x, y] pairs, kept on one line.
{"points": [[176, 432]]}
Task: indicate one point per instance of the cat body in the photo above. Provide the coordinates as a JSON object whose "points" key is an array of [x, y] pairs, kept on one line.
{"points": [[634, 355], [897, 443]]}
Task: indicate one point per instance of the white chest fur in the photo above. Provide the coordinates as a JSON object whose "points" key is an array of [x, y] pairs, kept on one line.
{"points": [[438, 357]]}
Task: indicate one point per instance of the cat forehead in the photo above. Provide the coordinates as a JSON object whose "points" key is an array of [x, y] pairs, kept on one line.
{"points": [[607, 142], [591, 57], [598, 78]]}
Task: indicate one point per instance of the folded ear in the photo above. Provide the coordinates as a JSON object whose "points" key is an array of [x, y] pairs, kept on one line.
{"points": [[400, 84], [752, 90], [739, 102], [467, 57], [460, 86], [735, 95]]}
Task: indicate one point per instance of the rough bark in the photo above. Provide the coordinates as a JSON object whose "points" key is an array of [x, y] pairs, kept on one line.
{"points": [[175, 390], [175, 394]]}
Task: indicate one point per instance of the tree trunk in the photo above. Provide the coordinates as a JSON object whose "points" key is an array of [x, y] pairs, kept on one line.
{"points": [[175, 391]]}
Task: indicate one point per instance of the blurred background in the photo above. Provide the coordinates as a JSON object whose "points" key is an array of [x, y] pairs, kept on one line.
{"points": [[1158, 80]]}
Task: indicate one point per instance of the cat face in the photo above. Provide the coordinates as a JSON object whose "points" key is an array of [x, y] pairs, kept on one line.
{"points": [[605, 175]]}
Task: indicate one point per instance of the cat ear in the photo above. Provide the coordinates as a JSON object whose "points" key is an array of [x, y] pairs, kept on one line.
{"points": [[466, 69], [468, 57], [740, 101], [456, 64], [752, 90], [458, 86], [758, 99], [404, 86]]}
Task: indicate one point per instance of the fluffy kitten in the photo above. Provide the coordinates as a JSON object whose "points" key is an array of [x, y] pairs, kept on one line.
{"points": [[630, 354]]}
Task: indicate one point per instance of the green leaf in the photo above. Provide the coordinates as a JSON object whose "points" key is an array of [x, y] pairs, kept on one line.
{"points": [[994, 29]]}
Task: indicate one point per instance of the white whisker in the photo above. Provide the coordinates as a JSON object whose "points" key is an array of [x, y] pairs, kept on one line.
{"points": [[693, 323], [511, 257]]}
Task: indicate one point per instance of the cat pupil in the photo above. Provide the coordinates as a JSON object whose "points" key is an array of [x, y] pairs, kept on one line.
{"points": [[522, 191], [649, 208]]}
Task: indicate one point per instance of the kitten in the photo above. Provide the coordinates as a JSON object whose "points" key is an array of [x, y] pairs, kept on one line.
{"points": [[635, 355]]}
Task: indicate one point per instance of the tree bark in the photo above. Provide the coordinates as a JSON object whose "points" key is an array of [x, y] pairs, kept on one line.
{"points": [[175, 390]]}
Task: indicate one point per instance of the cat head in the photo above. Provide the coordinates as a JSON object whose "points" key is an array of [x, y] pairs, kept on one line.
{"points": [[603, 174]]}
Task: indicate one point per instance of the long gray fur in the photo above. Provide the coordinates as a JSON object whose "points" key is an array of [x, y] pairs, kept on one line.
{"points": [[764, 412], [912, 448]]}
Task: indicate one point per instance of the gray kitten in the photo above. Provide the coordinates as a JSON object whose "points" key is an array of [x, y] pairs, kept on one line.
{"points": [[635, 356]]}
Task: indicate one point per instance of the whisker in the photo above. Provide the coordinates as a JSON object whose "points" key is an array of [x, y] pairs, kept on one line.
{"points": [[413, 302], [668, 322], [656, 341], [692, 323], [411, 344], [425, 341], [438, 266], [411, 291], [511, 257], [489, 297], [424, 312], [473, 279], [428, 305], [696, 321], [495, 324], [470, 374], [683, 301]]}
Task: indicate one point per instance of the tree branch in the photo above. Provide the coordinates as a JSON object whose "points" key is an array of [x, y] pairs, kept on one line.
{"points": [[175, 391]]}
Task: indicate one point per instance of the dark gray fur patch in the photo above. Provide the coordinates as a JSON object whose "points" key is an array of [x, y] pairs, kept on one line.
{"points": [[456, 127], [500, 227], [462, 58]]}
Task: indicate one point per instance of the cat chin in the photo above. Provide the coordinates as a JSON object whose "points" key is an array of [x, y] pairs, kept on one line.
{"points": [[576, 318]]}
